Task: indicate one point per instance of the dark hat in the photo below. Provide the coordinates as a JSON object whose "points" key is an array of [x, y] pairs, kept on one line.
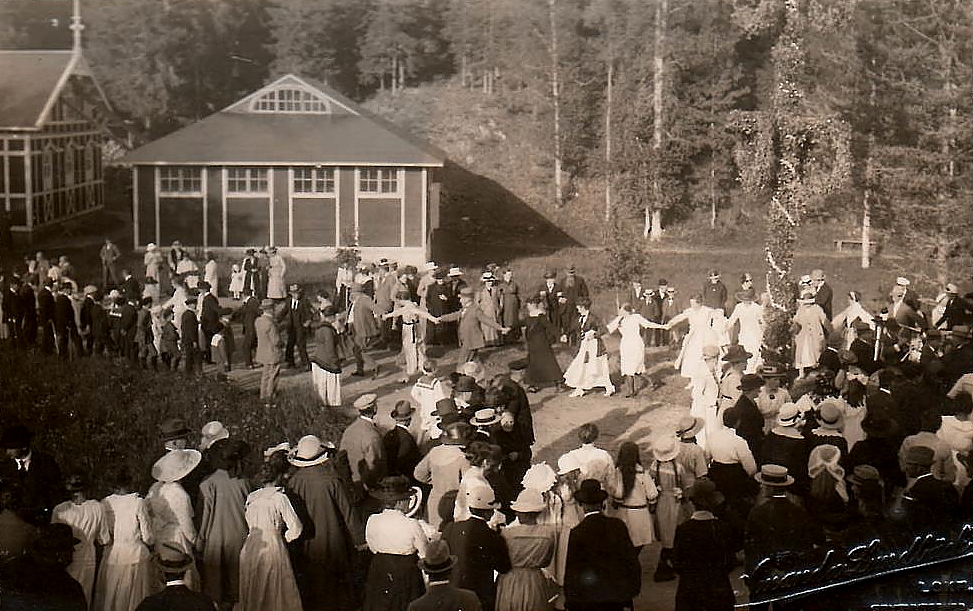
{"points": [[174, 428], [736, 353], [16, 437], [549, 273], [456, 431], [439, 274], [445, 407], [231, 450], [922, 456], [294, 288], [465, 384], [329, 310], [410, 270], [703, 494], [864, 475], [663, 282], [204, 286], [750, 381], [773, 370], [251, 251], [171, 559], [403, 411], [56, 538], [438, 559], [774, 475], [590, 492], [392, 488], [878, 425]]}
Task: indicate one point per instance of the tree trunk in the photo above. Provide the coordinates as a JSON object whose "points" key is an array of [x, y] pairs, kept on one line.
{"points": [[401, 74], [866, 225], [647, 227], [608, 141], [395, 71], [556, 96], [943, 242], [658, 84]]}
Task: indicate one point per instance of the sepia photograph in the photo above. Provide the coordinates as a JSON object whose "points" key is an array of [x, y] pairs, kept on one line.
{"points": [[486, 305]]}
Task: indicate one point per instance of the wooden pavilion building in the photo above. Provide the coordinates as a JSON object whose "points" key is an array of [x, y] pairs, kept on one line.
{"points": [[294, 165]]}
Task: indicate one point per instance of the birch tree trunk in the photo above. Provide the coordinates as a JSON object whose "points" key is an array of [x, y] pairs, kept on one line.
{"points": [[556, 95], [658, 84], [608, 139], [866, 199]]}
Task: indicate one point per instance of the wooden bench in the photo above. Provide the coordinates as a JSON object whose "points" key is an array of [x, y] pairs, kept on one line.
{"points": [[839, 245]]}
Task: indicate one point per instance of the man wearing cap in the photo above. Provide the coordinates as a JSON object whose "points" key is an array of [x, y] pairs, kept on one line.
{"points": [[480, 550], [958, 310], [692, 458], [443, 466], [472, 320], [931, 505], [363, 444], [38, 580], [440, 593], [335, 530], [268, 353], [296, 317], [603, 572], [401, 449], [36, 472], [714, 292], [822, 291], [173, 563], [778, 529]]}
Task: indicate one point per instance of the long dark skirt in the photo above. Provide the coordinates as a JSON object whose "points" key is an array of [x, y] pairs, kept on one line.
{"points": [[739, 490], [393, 582], [542, 365]]}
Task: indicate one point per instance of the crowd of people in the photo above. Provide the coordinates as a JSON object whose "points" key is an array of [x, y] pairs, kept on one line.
{"points": [[866, 435]]}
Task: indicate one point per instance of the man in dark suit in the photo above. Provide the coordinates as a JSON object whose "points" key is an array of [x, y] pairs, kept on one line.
{"points": [[248, 314], [480, 550], [130, 287], [176, 596], [602, 571], [958, 360], [931, 505], [714, 292], [28, 310], [401, 452], [38, 580], [548, 292], [189, 337], [209, 320], [750, 421], [45, 316], [296, 317], [37, 473], [87, 319], [778, 530], [440, 594], [958, 310], [65, 325], [12, 313], [127, 328], [823, 294]]}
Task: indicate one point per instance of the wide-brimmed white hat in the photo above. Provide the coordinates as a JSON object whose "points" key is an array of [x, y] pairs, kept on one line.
{"points": [[211, 433], [481, 497], [310, 451], [455, 271], [175, 465], [485, 417], [665, 448], [788, 415], [540, 477], [567, 463], [529, 501]]}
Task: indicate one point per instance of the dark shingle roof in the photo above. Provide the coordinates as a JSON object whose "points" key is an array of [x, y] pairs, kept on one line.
{"points": [[27, 81]]}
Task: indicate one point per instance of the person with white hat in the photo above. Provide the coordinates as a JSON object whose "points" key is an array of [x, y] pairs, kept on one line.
{"points": [[812, 327], [170, 506], [822, 291], [778, 526], [363, 443], [337, 526], [786, 445], [530, 545], [480, 550], [488, 298], [444, 465], [670, 506]]}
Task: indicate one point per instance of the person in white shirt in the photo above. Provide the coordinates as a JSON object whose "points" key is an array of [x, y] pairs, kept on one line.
{"points": [[595, 463]]}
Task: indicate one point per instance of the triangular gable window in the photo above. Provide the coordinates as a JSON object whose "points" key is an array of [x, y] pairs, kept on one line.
{"points": [[291, 100]]}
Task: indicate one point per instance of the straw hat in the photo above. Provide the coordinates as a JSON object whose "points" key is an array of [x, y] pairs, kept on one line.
{"points": [[775, 476], [788, 415], [567, 463], [665, 449], [485, 417], [365, 402], [454, 272], [481, 497], [175, 465], [528, 501], [310, 451], [688, 427], [540, 477], [829, 414], [211, 433]]}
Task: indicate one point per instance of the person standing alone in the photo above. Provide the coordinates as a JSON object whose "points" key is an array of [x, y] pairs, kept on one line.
{"points": [[269, 353]]}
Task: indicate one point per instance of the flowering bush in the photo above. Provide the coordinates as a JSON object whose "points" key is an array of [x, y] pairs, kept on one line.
{"points": [[91, 414]]}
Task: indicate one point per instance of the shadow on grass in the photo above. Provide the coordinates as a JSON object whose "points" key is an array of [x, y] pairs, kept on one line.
{"points": [[482, 221]]}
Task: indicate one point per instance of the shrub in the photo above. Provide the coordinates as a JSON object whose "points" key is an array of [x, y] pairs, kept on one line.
{"points": [[93, 413]]}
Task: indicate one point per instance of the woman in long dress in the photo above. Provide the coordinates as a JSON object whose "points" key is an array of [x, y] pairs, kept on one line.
{"points": [[266, 578], [589, 369], [154, 262], [750, 317], [632, 347], [531, 547], [568, 474], [671, 508], [634, 491], [126, 575], [510, 303], [700, 319], [705, 392], [276, 268], [223, 528], [542, 366], [86, 517], [189, 271], [811, 323], [171, 508], [845, 320], [413, 349]]}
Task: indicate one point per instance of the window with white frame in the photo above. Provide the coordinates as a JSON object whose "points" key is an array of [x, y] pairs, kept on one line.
{"points": [[290, 100], [246, 180], [313, 180], [180, 180], [378, 180]]}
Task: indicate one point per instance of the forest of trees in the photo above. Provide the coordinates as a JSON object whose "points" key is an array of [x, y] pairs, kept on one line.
{"points": [[852, 109]]}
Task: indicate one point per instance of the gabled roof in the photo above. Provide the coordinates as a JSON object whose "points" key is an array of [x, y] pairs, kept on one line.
{"points": [[346, 134], [32, 81]]}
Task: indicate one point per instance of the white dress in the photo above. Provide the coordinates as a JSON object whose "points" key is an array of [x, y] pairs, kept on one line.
{"points": [[172, 522], [188, 268], [275, 277], [589, 370], [632, 347], [211, 274], [87, 522], [266, 578], [809, 342], [700, 334], [705, 396], [751, 318], [127, 574], [845, 322]]}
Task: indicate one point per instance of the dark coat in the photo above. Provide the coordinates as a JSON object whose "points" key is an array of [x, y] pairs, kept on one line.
{"points": [[703, 558], [30, 585], [326, 355], [881, 453], [931, 505], [177, 598], [479, 551], [42, 485], [781, 530], [591, 323], [788, 452], [959, 311], [295, 318], [714, 294], [210, 317], [602, 564], [64, 314], [542, 365], [189, 331], [401, 452], [129, 318], [824, 297], [45, 307], [87, 313], [751, 425], [131, 289], [445, 597]]}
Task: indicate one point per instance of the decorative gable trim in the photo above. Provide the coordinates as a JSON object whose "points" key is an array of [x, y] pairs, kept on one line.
{"points": [[76, 67], [288, 81]]}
